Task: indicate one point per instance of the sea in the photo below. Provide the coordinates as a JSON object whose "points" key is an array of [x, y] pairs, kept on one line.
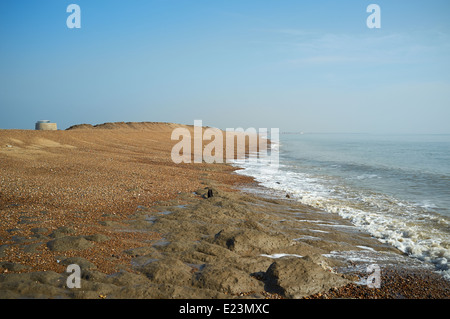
{"points": [[395, 187]]}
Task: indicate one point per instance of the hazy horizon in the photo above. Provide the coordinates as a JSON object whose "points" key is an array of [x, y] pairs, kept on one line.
{"points": [[295, 65]]}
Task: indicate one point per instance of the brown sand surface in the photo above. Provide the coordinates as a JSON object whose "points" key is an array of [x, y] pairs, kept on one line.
{"points": [[110, 199], [81, 178]]}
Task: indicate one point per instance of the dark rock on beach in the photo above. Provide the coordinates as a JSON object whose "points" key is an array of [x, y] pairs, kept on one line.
{"points": [[227, 279], [10, 266], [99, 238], [61, 232], [69, 243], [168, 271], [299, 277]]}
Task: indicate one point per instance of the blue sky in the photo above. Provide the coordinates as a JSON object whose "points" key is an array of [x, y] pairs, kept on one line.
{"points": [[295, 65]]}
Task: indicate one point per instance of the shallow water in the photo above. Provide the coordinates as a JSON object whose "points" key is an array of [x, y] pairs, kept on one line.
{"points": [[395, 187]]}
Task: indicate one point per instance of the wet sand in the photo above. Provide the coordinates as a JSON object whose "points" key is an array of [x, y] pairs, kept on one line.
{"points": [[111, 200]]}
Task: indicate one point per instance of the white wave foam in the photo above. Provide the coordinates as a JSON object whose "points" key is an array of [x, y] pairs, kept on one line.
{"points": [[306, 237], [361, 258], [404, 225]]}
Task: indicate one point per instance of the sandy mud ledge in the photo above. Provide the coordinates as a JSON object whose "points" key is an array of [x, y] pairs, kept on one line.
{"points": [[225, 245]]}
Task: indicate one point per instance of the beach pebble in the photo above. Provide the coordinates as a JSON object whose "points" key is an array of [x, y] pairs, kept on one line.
{"points": [[39, 230], [3, 250]]}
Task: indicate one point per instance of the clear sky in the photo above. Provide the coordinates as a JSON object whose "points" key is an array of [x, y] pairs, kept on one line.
{"points": [[310, 66]]}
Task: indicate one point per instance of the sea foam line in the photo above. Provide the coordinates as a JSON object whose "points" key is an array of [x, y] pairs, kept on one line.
{"points": [[389, 220]]}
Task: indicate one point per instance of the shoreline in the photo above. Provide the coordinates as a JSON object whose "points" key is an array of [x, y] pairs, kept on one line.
{"points": [[401, 276], [166, 238]]}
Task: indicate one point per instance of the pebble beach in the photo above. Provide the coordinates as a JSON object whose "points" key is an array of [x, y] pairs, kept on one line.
{"points": [[110, 199]]}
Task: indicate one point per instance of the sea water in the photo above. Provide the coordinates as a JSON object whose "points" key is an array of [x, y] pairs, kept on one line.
{"points": [[396, 187]]}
